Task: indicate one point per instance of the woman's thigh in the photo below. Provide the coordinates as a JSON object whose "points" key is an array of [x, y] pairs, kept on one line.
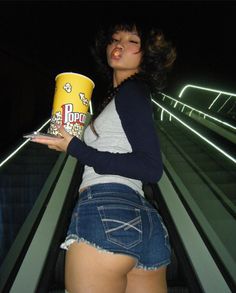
{"points": [[143, 281], [88, 270]]}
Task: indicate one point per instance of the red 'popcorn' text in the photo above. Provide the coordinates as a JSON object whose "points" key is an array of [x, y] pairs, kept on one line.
{"points": [[68, 116]]}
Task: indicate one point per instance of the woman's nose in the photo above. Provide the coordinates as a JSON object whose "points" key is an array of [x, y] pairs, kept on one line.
{"points": [[120, 45]]}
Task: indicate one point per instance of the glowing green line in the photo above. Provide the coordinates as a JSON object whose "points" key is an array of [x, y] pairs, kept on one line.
{"points": [[197, 133], [162, 113], [21, 146], [214, 101], [224, 104], [90, 108], [200, 112], [204, 88]]}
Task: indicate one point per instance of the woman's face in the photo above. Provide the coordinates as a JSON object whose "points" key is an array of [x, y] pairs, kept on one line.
{"points": [[123, 53]]}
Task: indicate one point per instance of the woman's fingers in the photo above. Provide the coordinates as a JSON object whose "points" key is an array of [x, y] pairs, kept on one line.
{"points": [[59, 143], [48, 141]]}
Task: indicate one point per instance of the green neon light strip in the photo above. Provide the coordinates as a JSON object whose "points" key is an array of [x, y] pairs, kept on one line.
{"points": [[21, 146], [197, 133], [224, 104], [200, 112], [162, 114], [204, 88], [214, 101], [90, 108]]}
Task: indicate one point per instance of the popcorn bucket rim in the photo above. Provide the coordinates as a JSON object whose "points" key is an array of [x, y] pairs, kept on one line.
{"points": [[64, 73]]}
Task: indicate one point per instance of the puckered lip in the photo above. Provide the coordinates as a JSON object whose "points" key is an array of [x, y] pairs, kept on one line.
{"points": [[116, 54]]}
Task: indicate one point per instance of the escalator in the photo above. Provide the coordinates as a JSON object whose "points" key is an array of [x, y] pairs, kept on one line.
{"points": [[205, 147], [205, 179], [21, 181], [216, 170], [195, 197], [30, 179], [26, 181], [210, 179]]}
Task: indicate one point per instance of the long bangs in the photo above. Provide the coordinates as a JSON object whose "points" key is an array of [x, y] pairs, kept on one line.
{"points": [[127, 27]]}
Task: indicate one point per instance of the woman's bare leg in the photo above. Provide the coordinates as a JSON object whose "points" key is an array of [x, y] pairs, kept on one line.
{"points": [[88, 270], [143, 281]]}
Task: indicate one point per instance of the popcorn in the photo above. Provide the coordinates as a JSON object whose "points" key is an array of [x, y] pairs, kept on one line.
{"points": [[83, 99], [67, 87]]}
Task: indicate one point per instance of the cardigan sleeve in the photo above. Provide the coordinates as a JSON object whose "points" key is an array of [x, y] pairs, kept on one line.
{"points": [[144, 163]]}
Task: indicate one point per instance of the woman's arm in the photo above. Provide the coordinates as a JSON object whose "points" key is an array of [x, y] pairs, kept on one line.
{"points": [[144, 162]]}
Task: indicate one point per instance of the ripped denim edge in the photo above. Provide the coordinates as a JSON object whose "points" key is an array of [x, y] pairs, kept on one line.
{"points": [[70, 239], [152, 268]]}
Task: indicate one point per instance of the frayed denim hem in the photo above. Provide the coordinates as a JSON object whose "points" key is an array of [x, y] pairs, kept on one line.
{"points": [[152, 268], [70, 239]]}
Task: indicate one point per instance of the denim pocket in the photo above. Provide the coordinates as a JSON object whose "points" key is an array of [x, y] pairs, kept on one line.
{"points": [[122, 224]]}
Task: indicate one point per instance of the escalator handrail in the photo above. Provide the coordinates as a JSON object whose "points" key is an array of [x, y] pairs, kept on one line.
{"points": [[198, 111], [218, 148], [205, 268], [13, 259], [205, 89], [38, 249], [25, 142]]}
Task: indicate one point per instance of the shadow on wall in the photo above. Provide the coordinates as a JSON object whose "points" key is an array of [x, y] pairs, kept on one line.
{"points": [[26, 93]]}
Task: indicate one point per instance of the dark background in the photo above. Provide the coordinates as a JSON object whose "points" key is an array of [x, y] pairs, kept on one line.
{"points": [[39, 39]]}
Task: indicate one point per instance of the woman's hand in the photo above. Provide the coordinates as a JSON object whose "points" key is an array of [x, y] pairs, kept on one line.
{"points": [[59, 143]]}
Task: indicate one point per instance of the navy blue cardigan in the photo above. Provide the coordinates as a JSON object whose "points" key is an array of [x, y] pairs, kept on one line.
{"points": [[133, 105]]}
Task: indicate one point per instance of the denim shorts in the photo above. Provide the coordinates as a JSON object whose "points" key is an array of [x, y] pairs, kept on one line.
{"points": [[114, 218]]}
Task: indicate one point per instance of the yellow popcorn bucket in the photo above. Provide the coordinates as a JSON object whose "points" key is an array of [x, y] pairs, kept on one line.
{"points": [[72, 99]]}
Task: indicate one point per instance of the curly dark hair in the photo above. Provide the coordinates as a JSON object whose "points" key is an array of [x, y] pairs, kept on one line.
{"points": [[157, 58]]}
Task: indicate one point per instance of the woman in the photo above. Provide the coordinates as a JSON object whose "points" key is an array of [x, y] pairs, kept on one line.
{"points": [[117, 241]]}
